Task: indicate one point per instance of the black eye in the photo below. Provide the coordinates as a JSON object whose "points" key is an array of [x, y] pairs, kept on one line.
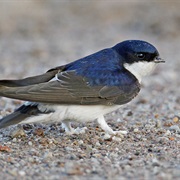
{"points": [[140, 55]]}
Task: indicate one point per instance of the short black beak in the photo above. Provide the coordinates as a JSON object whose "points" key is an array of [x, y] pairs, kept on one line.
{"points": [[159, 60]]}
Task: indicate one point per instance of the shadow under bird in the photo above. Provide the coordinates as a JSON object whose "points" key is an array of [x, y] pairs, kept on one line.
{"points": [[84, 90]]}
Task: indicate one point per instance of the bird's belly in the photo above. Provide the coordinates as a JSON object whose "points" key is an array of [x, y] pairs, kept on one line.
{"points": [[81, 113]]}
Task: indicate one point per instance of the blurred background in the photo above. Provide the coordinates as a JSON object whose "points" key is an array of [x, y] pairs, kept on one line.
{"points": [[36, 35]]}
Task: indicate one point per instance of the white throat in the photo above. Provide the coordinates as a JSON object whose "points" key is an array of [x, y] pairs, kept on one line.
{"points": [[140, 69]]}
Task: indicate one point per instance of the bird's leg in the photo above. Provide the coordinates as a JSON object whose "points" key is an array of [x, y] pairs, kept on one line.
{"points": [[103, 124], [70, 130]]}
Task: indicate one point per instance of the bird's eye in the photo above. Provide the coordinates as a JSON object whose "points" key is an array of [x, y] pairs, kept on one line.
{"points": [[140, 55]]}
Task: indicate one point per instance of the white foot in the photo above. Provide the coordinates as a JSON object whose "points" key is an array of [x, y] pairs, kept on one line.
{"points": [[69, 130], [103, 124]]}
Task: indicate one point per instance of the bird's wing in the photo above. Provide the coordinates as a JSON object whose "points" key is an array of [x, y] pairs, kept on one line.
{"points": [[68, 88], [34, 79]]}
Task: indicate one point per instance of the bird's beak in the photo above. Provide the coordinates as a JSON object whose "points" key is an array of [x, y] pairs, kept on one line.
{"points": [[159, 60]]}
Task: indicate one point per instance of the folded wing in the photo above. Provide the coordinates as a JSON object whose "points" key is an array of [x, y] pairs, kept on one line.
{"points": [[67, 88]]}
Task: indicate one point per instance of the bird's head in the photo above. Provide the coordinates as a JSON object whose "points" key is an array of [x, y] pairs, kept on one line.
{"points": [[138, 57]]}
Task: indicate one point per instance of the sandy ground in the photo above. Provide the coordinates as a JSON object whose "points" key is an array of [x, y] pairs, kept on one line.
{"points": [[38, 35]]}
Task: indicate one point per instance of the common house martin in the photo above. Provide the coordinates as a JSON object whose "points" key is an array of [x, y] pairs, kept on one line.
{"points": [[84, 90]]}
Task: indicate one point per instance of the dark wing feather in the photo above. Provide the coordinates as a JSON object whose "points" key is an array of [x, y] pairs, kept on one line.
{"points": [[69, 88], [34, 79]]}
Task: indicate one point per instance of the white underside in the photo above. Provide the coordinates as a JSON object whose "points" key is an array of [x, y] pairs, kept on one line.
{"points": [[69, 113], [77, 113]]}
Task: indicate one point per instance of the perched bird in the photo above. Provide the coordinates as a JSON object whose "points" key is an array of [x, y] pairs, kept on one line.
{"points": [[83, 90]]}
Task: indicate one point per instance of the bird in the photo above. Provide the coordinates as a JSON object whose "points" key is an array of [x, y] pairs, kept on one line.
{"points": [[83, 90]]}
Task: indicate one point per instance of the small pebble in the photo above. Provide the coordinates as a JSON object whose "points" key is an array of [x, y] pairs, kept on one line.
{"points": [[174, 128], [158, 124], [130, 113], [107, 137], [14, 140], [155, 162], [138, 136], [22, 173], [167, 133], [13, 172], [17, 133], [119, 120], [39, 132], [176, 119], [50, 141], [106, 159], [97, 143], [48, 155], [97, 155], [127, 167], [30, 143], [117, 139], [136, 130], [80, 142], [72, 168], [162, 139], [69, 149], [156, 170]]}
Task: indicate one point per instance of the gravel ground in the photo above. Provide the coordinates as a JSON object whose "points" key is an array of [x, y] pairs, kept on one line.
{"points": [[37, 35]]}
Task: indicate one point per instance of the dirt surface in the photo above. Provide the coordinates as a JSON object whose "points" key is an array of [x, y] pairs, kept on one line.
{"points": [[38, 35]]}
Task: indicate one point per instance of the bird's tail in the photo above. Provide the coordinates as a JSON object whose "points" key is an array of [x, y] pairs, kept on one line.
{"points": [[16, 89], [22, 113]]}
